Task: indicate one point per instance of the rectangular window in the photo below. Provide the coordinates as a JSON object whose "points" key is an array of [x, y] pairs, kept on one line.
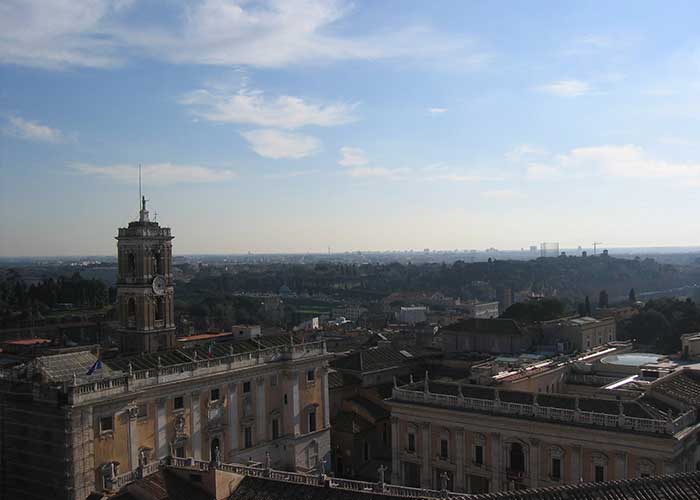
{"points": [[246, 387], [273, 381], [479, 455], [247, 437], [180, 452], [443, 448], [178, 403], [214, 396], [275, 428], [411, 442], [599, 473], [142, 411], [312, 421], [106, 424], [310, 375], [285, 399], [556, 469]]}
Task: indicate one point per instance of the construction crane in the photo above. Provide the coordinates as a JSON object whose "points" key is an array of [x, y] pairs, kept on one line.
{"points": [[595, 247]]}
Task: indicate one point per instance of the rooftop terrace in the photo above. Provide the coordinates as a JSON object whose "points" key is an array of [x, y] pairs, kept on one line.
{"points": [[631, 416]]}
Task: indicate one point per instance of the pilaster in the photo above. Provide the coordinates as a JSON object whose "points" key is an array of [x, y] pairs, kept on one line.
{"points": [[131, 414], [426, 452], [459, 460], [195, 419], [261, 420], [497, 474], [534, 462], [233, 417], [161, 434], [395, 452], [325, 398]]}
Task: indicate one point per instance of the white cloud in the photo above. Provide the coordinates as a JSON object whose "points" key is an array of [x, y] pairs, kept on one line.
{"points": [[253, 107], [614, 161], [567, 88], [352, 157], [437, 111], [156, 173], [58, 33], [33, 131], [629, 161], [278, 144], [264, 33]]}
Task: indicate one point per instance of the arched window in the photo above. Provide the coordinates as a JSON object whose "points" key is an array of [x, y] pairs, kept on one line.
{"points": [[131, 264], [131, 313], [160, 309], [157, 262]]}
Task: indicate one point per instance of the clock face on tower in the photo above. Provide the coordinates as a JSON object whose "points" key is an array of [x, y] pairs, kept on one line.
{"points": [[158, 285]]}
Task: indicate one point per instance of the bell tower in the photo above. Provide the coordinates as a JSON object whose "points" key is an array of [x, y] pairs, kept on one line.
{"points": [[145, 286]]}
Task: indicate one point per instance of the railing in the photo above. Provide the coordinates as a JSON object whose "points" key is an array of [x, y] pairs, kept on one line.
{"points": [[647, 425], [318, 480], [86, 391]]}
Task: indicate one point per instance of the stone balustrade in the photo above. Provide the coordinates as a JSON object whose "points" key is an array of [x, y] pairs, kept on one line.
{"points": [[81, 392], [318, 480], [647, 425]]}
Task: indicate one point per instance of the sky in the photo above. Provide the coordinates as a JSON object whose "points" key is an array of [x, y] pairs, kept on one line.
{"points": [[298, 125]]}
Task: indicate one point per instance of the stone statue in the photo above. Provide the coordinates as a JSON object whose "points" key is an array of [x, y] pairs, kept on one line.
{"points": [[217, 456], [444, 477], [381, 470]]}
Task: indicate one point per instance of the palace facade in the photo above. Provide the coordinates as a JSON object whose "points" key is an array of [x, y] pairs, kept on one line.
{"points": [[72, 423]]}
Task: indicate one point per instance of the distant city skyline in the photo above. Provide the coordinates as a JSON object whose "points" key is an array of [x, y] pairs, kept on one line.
{"points": [[292, 126]]}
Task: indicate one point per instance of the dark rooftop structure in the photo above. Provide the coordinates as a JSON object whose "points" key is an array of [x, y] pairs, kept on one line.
{"points": [[495, 326], [382, 358]]}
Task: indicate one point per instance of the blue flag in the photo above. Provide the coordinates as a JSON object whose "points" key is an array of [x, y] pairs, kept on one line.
{"points": [[97, 365]]}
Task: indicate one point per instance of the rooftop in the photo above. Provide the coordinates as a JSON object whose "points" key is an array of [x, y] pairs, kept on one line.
{"points": [[494, 326], [382, 358], [629, 416]]}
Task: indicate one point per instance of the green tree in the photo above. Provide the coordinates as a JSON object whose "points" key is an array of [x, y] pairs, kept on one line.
{"points": [[535, 310], [632, 296]]}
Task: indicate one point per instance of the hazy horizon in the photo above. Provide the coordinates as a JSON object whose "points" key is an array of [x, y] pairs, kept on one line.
{"points": [[351, 125]]}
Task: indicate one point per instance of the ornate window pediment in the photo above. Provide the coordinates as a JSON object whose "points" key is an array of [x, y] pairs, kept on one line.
{"points": [[599, 459], [556, 452]]}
